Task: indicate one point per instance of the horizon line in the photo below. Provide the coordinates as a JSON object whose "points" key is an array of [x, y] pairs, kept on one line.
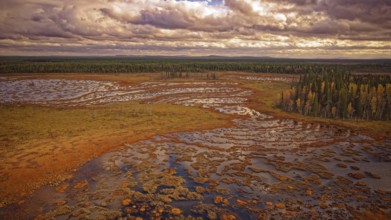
{"points": [[187, 56]]}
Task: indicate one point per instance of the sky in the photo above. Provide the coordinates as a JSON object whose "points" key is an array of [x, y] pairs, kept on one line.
{"points": [[275, 28]]}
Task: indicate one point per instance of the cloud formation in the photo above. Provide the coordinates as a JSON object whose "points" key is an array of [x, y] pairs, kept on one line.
{"points": [[283, 28]]}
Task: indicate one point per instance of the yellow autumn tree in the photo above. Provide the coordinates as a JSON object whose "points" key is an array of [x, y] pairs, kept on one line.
{"points": [[374, 104], [334, 111], [350, 110], [298, 104]]}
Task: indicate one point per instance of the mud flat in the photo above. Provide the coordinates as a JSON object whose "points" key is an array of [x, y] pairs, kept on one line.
{"points": [[261, 167]]}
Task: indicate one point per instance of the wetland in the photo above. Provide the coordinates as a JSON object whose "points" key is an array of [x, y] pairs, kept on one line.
{"points": [[147, 148]]}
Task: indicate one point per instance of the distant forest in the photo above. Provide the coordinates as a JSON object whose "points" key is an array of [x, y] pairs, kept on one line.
{"points": [[178, 65], [340, 95]]}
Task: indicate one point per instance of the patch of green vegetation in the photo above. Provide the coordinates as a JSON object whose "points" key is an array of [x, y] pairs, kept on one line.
{"points": [[23, 124], [267, 93]]}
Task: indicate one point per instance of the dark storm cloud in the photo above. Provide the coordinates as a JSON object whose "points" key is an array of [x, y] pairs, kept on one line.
{"points": [[377, 12], [241, 6]]}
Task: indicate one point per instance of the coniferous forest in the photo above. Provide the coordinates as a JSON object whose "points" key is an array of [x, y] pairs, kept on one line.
{"points": [[340, 95], [182, 65]]}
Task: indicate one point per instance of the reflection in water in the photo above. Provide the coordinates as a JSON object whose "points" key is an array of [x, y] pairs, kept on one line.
{"points": [[261, 167]]}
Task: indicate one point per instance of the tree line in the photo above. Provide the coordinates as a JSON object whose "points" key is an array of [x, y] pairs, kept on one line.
{"points": [[139, 65], [180, 75], [340, 95]]}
